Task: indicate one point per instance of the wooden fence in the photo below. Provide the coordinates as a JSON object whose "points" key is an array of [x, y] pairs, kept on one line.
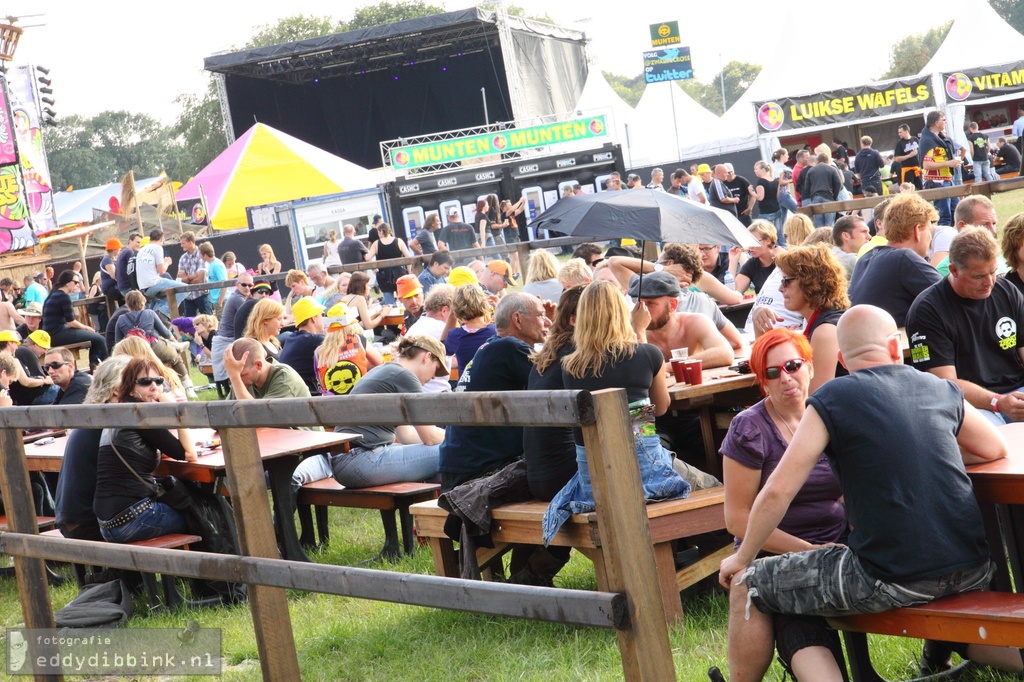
{"points": [[633, 608], [984, 188]]}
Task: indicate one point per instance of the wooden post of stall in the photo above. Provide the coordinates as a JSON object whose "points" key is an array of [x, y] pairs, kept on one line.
{"points": [[626, 534], [269, 605]]}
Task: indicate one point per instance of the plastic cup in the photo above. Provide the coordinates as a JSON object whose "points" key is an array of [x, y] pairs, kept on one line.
{"points": [[680, 353], [679, 370], [693, 371]]}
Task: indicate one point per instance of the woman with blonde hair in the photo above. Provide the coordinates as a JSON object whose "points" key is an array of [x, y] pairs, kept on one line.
{"points": [[330, 254], [797, 228], [334, 293], [137, 347], [542, 276], [231, 264], [574, 273], [269, 265], [343, 358], [264, 324], [762, 257], [610, 354], [470, 307], [357, 296]]}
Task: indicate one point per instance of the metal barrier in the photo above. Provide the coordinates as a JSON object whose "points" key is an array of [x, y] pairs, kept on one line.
{"points": [[633, 607]]}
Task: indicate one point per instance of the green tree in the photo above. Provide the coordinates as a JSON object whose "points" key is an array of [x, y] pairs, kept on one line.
{"points": [[290, 29], [389, 12], [629, 89], [517, 11], [738, 77], [911, 54], [1012, 11]]}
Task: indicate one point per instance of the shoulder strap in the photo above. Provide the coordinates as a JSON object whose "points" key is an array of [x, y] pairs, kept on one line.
{"points": [[134, 473]]}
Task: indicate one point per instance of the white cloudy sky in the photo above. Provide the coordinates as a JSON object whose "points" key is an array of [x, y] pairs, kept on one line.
{"points": [[104, 57]]}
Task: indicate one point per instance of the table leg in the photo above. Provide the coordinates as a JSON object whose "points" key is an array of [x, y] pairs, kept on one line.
{"points": [[280, 471], [992, 515], [707, 432], [1014, 520]]}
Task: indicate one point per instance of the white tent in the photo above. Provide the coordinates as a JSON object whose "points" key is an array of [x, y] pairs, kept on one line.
{"points": [[656, 134], [76, 206], [977, 25], [598, 98]]}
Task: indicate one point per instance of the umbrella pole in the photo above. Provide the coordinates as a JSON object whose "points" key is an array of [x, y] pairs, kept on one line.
{"points": [[641, 282]]}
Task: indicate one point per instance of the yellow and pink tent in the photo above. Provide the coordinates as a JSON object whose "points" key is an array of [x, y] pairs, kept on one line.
{"points": [[265, 166]]}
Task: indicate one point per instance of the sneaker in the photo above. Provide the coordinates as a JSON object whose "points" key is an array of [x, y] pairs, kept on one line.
{"points": [[936, 657], [191, 393]]}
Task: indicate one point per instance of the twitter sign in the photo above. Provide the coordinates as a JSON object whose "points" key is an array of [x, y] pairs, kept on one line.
{"points": [[672, 64]]}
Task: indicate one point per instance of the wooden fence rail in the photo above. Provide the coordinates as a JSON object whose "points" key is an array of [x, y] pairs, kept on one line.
{"points": [[984, 188], [633, 605]]}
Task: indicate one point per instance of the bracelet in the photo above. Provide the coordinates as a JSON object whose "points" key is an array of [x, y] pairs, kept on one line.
{"points": [[994, 404]]}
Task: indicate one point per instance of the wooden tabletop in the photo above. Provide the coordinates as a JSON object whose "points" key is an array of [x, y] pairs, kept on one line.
{"points": [[1002, 481], [717, 380], [393, 317]]}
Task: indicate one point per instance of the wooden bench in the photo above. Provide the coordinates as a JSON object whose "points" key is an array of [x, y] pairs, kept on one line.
{"points": [[170, 541], [386, 498], [702, 512], [82, 358], [993, 618], [42, 522]]}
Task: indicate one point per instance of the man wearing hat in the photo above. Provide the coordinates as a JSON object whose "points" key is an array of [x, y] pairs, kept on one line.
{"points": [[108, 279], [9, 342], [32, 316], [34, 290], [410, 293], [496, 277], [309, 334], [34, 386], [259, 291], [457, 235]]}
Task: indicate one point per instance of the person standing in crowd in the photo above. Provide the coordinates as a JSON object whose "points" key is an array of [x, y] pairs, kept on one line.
{"points": [[108, 277], [330, 250], [821, 184], [269, 265], [719, 193], [424, 244], [740, 188], [457, 235], [216, 271], [867, 164], [60, 323], [982, 166], [388, 247], [905, 163], [192, 270], [232, 265], [351, 250], [936, 155], [767, 196], [226, 330], [125, 266]]}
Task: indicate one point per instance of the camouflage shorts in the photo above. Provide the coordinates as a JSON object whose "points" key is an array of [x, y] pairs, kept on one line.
{"points": [[832, 582]]}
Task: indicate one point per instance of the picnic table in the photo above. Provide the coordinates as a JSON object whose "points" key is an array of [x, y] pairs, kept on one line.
{"points": [[280, 451]]}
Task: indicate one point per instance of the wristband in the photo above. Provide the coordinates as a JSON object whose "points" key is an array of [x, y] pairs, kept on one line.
{"points": [[658, 267], [995, 403]]}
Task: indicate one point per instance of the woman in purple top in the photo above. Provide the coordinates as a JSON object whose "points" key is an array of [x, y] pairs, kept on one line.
{"points": [[471, 307], [757, 439]]}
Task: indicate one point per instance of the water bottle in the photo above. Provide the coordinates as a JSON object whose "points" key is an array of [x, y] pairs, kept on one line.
{"points": [[729, 279]]}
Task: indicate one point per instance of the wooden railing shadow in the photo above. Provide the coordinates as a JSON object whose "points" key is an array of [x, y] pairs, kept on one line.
{"points": [[633, 606]]}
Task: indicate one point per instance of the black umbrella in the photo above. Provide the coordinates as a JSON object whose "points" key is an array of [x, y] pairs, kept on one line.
{"points": [[644, 215]]}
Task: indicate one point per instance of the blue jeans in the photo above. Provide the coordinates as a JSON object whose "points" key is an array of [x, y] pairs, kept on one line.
{"points": [[983, 171], [48, 396], [822, 219], [777, 219], [155, 293], [362, 468], [158, 520], [944, 206], [98, 351], [197, 306], [310, 469]]}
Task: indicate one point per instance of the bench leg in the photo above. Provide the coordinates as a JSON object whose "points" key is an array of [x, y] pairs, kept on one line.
{"points": [[408, 537], [859, 657], [446, 561], [322, 529], [391, 551], [152, 595], [172, 598], [665, 560]]}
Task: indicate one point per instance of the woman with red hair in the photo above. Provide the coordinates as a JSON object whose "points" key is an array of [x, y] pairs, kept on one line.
{"points": [[782, 362]]}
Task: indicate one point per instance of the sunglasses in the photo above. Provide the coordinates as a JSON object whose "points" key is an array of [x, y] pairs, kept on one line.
{"points": [[786, 281], [790, 367], [146, 381], [243, 284], [54, 365]]}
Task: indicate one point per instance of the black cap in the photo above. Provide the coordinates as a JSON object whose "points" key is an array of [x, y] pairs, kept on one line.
{"points": [[655, 285]]}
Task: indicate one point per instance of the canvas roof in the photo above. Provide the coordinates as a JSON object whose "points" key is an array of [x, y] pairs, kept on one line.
{"points": [[1002, 43]]}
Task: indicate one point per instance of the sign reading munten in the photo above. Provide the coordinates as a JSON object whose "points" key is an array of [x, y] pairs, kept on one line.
{"points": [[985, 81], [448, 151], [839, 106]]}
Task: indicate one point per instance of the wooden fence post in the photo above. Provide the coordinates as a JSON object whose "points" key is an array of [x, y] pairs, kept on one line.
{"points": [[626, 534], [33, 589], [269, 605], [172, 302]]}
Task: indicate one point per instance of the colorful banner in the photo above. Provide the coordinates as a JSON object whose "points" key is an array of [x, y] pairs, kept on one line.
{"points": [[985, 81], [474, 146], [8, 154], [840, 106], [665, 33], [672, 64], [13, 211], [29, 136]]}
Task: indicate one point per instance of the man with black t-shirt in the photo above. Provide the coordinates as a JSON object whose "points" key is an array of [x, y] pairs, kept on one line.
{"points": [[964, 328], [867, 164], [1007, 158], [351, 250], [905, 156], [739, 186], [719, 193], [124, 267], [982, 167], [457, 235]]}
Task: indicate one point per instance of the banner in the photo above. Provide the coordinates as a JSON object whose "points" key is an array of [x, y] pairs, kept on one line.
{"points": [[665, 33], [672, 64], [850, 105], [985, 81], [35, 172], [8, 154], [14, 231], [474, 146]]}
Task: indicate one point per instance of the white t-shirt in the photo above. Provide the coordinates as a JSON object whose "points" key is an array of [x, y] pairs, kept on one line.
{"points": [[941, 239], [426, 326], [695, 189], [771, 297], [145, 265]]}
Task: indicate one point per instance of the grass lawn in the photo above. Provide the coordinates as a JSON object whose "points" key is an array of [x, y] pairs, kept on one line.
{"points": [[1008, 204]]}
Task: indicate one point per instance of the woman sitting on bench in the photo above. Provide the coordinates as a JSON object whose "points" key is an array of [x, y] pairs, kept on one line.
{"points": [[125, 485]]}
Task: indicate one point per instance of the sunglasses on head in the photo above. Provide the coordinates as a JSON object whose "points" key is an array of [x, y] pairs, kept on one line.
{"points": [[54, 365], [146, 381], [790, 367]]}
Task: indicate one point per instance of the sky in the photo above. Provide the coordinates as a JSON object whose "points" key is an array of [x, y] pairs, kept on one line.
{"points": [[103, 57]]}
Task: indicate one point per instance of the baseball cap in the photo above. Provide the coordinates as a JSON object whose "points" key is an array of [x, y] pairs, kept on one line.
{"points": [[32, 308], [500, 267], [654, 285], [40, 338], [408, 286], [114, 243], [435, 348], [703, 168], [305, 308], [462, 275], [453, 211], [7, 335], [339, 316]]}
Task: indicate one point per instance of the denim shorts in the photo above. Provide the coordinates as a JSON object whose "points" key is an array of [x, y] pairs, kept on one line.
{"points": [[832, 582]]}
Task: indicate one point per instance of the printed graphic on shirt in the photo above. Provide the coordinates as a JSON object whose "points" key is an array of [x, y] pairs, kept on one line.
{"points": [[919, 348], [1006, 330]]}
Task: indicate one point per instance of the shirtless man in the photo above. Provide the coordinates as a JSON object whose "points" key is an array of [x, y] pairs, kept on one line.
{"points": [[670, 329], [9, 317]]}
